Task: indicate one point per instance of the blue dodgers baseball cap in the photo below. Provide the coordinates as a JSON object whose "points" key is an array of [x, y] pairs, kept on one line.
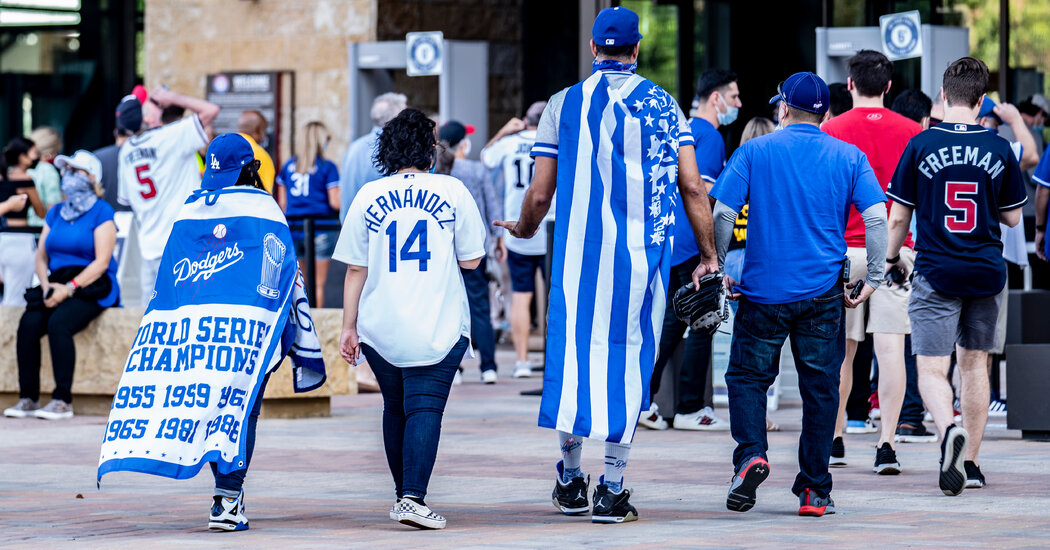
{"points": [[616, 27], [805, 91], [226, 155], [988, 109]]}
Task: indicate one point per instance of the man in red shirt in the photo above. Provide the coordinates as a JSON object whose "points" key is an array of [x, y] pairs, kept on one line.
{"points": [[882, 135]]}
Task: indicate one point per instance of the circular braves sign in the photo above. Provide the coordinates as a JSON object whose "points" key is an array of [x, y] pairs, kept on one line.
{"points": [[425, 53], [901, 36]]}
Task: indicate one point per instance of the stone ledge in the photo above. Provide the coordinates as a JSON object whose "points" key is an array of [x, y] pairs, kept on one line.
{"points": [[102, 349]]}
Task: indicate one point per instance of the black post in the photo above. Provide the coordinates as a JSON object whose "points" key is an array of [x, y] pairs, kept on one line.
{"points": [[311, 267], [1004, 50]]}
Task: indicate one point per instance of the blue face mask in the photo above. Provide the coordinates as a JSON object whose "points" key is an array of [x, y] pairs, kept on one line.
{"points": [[80, 195], [612, 65], [729, 116]]}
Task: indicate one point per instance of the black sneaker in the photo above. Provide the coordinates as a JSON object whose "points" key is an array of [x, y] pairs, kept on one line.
{"points": [[886, 461], [744, 487], [610, 507], [812, 504], [953, 477], [974, 477], [838, 453], [571, 497], [908, 433]]}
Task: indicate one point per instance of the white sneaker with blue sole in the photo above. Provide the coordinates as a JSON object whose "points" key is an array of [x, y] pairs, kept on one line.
{"points": [[227, 514]]}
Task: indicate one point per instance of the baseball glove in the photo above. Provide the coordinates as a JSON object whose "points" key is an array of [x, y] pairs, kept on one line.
{"points": [[703, 309]]}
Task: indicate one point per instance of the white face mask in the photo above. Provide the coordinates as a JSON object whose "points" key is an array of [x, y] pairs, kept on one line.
{"points": [[464, 146]]}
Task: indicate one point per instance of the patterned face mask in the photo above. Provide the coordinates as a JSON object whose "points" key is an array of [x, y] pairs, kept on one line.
{"points": [[80, 195], [612, 65]]}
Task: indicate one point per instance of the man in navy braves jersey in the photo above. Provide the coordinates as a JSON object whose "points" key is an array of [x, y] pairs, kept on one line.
{"points": [[962, 181]]}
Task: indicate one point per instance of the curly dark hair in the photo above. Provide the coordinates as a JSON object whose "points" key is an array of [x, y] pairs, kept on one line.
{"points": [[407, 141]]}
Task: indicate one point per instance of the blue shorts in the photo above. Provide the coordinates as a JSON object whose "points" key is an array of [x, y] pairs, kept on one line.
{"points": [[523, 269], [324, 243]]}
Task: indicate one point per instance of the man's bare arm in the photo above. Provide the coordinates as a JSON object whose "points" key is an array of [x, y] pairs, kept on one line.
{"points": [[537, 200]]}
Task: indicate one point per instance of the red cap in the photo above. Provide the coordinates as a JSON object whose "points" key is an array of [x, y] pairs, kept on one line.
{"points": [[141, 93]]}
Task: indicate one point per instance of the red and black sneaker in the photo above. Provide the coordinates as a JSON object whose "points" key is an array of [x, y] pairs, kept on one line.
{"points": [[745, 484], [812, 504]]}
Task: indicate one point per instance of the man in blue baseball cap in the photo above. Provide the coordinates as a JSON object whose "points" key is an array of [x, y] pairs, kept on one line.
{"points": [[800, 184], [230, 161], [602, 335]]}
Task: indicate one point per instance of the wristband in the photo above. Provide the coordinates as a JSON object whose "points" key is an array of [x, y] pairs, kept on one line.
{"points": [[894, 259], [74, 283], [71, 287]]}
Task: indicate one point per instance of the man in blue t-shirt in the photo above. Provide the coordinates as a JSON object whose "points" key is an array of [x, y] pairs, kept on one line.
{"points": [[799, 184], [962, 181], [1041, 177], [719, 99]]}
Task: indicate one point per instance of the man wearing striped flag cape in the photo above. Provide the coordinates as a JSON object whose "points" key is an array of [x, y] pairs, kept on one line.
{"points": [[618, 150]]}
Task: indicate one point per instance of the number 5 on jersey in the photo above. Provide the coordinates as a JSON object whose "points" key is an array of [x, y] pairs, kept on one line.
{"points": [[418, 233], [963, 218], [141, 172]]}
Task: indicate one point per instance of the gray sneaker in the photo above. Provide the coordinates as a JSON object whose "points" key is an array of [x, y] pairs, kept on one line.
{"points": [[55, 410], [24, 408]]}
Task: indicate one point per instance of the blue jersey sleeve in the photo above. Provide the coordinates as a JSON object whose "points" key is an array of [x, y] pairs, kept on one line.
{"points": [[710, 159], [1042, 172], [866, 189], [902, 185], [734, 183], [1012, 193], [282, 177], [331, 175]]}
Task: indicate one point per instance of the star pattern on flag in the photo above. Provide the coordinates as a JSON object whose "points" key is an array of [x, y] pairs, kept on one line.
{"points": [[661, 188], [648, 119], [654, 210], [654, 147], [657, 237]]}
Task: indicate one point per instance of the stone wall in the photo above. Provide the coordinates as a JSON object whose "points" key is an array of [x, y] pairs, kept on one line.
{"points": [[499, 22], [185, 40]]}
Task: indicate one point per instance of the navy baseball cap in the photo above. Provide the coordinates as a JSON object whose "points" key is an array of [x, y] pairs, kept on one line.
{"points": [[226, 155], [454, 131], [805, 91], [616, 27], [129, 114]]}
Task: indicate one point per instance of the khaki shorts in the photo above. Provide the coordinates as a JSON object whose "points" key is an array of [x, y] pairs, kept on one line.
{"points": [[887, 309]]}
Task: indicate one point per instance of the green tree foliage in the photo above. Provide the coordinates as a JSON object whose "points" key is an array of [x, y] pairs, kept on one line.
{"points": [[1029, 32], [658, 54]]}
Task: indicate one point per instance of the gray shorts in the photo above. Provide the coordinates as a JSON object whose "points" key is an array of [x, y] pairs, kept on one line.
{"points": [[938, 321]]}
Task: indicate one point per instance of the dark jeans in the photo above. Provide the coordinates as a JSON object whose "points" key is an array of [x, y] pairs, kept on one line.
{"points": [[413, 402], [858, 406], [817, 330], [696, 361], [912, 411], [234, 481], [59, 324], [477, 285]]}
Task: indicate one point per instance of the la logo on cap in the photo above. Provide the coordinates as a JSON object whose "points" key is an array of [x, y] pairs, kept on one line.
{"points": [[214, 162]]}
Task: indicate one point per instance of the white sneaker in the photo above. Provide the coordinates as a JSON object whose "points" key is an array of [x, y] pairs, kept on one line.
{"points": [[703, 420], [416, 514], [651, 419], [489, 376], [522, 369], [25, 408], [55, 410], [458, 379], [227, 514]]}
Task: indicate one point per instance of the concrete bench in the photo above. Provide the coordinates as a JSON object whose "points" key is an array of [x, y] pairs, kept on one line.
{"points": [[102, 349]]}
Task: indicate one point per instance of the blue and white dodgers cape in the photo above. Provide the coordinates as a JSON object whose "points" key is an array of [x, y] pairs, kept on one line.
{"points": [[617, 157], [227, 307]]}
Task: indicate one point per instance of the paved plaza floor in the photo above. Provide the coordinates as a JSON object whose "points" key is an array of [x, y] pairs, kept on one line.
{"points": [[324, 483]]}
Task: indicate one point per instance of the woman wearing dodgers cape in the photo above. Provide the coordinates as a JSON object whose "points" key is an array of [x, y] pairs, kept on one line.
{"points": [[227, 307]]}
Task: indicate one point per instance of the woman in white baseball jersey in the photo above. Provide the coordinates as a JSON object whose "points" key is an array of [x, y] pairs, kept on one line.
{"points": [[404, 238]]}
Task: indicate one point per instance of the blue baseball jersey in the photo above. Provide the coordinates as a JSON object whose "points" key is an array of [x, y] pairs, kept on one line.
{"points": [[799, 185], [710, 159], [958, 177], [1042, 177]]}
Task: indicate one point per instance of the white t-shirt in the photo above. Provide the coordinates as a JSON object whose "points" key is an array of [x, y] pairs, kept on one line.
{"points": [[157, 170], [410, 230], [511, 155]]}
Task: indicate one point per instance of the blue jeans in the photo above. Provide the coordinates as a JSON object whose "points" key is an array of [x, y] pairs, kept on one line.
{"points": [[912, 410], [477, 285], [413, 402], [229, 485], [818, 343]]}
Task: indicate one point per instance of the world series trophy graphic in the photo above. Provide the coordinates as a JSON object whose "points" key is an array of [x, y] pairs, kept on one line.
{"points": [[273, 257]]}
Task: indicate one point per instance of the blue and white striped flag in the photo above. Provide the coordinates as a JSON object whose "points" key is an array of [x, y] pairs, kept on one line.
{"points": [[617, 155]]}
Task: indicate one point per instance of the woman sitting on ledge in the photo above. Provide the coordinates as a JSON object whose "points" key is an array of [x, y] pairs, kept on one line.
{"points": [[78, 279]]}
